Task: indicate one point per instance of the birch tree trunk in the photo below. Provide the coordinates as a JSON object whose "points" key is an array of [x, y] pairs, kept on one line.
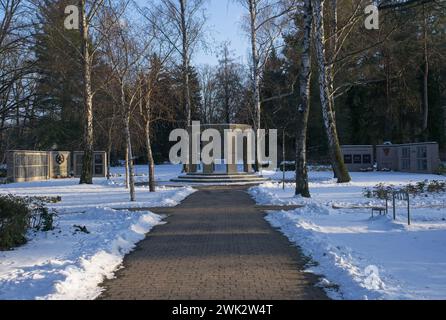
{"points": [[255, 71], [150, 158], [87, 162], [302, 188], [131, 175], [326, 95], [109, 148], [185, 57], [127, 183], [147, 122], [185, 61], [130, 160]]}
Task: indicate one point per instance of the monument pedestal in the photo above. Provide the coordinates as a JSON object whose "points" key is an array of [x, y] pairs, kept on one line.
{"points": [[237, 172]]}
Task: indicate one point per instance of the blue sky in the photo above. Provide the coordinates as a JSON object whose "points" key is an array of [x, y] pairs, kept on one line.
{"points": [[224, 24]]}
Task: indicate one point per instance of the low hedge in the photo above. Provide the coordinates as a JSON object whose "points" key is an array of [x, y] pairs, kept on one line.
{"points": [[14, 221], [19, 214]]}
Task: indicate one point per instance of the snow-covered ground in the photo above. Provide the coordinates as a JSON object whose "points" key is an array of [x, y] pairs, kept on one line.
{"points": [[163, 173], [69, 264], [361, 257]]}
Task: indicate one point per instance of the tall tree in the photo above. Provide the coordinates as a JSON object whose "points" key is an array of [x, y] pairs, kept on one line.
{"points": [[86, 62], [229, 84], [326, 93], [264, 26], [58, 99], [17, 82], [149, 87], [208, 113], [181, 23], [125, 51], [303, 109]]}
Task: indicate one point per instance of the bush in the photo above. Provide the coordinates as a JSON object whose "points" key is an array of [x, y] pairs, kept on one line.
{"points": [[19, 214], [412, 189], [41, 217], [441, 170], [14, 221], [436, 186], [380, 191]]}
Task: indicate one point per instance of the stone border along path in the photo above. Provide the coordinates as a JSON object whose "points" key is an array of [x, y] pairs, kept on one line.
{"points": [[216, 245]]}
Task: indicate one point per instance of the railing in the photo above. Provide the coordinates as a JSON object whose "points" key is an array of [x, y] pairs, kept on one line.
{"points": [[401, 195]]}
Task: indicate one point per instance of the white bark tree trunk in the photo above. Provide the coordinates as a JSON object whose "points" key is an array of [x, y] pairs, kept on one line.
{"points": [[87, 166], [131, 174], [326, 95], [255, 70], [185, 66], [147, 122], [302, 188]]}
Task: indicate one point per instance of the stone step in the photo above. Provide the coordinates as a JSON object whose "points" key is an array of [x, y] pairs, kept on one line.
{"points": [[216, 182], [220, 174], [221, 177]]}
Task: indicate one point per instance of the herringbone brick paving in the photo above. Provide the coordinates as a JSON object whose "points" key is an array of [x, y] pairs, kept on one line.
{"points": [[215, 245]]}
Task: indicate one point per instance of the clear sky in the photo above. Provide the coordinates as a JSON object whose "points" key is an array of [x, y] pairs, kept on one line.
{"points": [[224, 24]]}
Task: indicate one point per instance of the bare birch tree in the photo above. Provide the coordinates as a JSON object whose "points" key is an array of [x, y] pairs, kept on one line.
{"points": [[180, 23], [149, 81], [326, 94], [264, 27], [91, 39], [303, 109], [16, 69], [125, 52]]}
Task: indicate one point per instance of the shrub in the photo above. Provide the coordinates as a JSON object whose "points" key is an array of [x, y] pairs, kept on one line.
{"points": [[441, 170], [380, 191], [436, 186], [411, 189], [14, 221], [19, 214], [41, 217], [368, 193], [421, 186]]}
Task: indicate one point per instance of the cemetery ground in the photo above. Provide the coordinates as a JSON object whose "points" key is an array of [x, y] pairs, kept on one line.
{"points": [[334, 242]]}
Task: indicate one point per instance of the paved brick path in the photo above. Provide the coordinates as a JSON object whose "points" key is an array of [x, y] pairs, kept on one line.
{"points": [[216, 245]]}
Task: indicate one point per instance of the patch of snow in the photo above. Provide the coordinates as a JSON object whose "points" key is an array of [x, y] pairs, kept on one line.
{"points": [[364, 257], [65, 264]]}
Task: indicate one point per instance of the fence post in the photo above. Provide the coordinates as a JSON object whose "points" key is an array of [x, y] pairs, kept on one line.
{"points": [[408, 209], [393, 205], [283, 160]]}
